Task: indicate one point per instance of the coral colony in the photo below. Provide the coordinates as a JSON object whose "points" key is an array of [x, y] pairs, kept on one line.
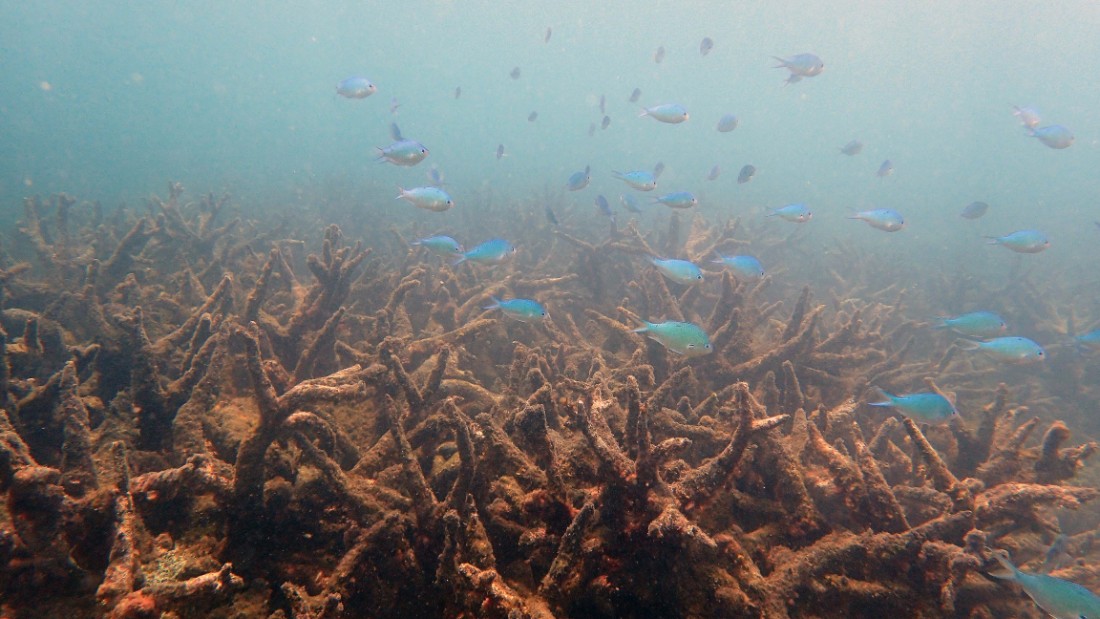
{"points": [[206, 417]]}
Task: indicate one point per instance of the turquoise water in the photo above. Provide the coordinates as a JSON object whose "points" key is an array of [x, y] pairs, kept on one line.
{"points": [[108, 103]]}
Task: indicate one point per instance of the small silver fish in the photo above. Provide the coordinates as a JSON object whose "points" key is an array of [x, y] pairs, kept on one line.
{"points": [[634, 96], [1022, 241], [1054, 136], [671, 113], [886, 169], [523, 310], [638, 179], [974, 210], [1056, 554], [797, 213], [435, 177], [884, 219], [852, 148], [440, 245], [427, 198], [579, 180], [677, 199], [800, 66], [682, 338], [532, 117], [1027, 116], [746, 174], [727, 123], [743, 267], [605, 208], [515, 73], [403, 153], [714, 172], [355, 88], [924, 407], [629, 203], [679, 271], [489, 252], [1010, 349], [1061, 598], [706, 45], [659, 55]]}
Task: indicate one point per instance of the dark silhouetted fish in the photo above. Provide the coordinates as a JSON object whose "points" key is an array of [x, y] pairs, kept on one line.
{"points": [[852, 148], [706, 45], [515, 73], [727, 123], [637, 94], [746, 174], [974, 210]]}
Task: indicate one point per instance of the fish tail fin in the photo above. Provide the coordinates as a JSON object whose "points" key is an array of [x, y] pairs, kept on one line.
{"points": [[616, 173], [1075, 344], [496, 303], [992, 240], [967, 344], [941, 322], [644, 112], [459, 260], [644, 328], [400, 192], [782, 63], [1011, 572], [887, 399]]}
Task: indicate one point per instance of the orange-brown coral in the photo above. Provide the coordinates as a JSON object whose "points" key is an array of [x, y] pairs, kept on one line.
{"points": [[372, 443]]}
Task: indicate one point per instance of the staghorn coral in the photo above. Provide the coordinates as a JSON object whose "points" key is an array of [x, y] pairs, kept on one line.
{"points": [[368, 443]]}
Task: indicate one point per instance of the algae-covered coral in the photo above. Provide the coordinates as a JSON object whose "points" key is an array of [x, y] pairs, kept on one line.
{"points": [[205, 417]]}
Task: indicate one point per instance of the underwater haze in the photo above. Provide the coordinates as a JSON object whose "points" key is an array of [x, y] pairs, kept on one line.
{"points": [[262, 363]]}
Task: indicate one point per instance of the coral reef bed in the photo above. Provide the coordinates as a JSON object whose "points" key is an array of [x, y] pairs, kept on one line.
{"points": [[202, 418]]}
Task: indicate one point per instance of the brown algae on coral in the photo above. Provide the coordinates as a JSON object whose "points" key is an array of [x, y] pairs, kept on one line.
{"points": [[201, 421]]}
